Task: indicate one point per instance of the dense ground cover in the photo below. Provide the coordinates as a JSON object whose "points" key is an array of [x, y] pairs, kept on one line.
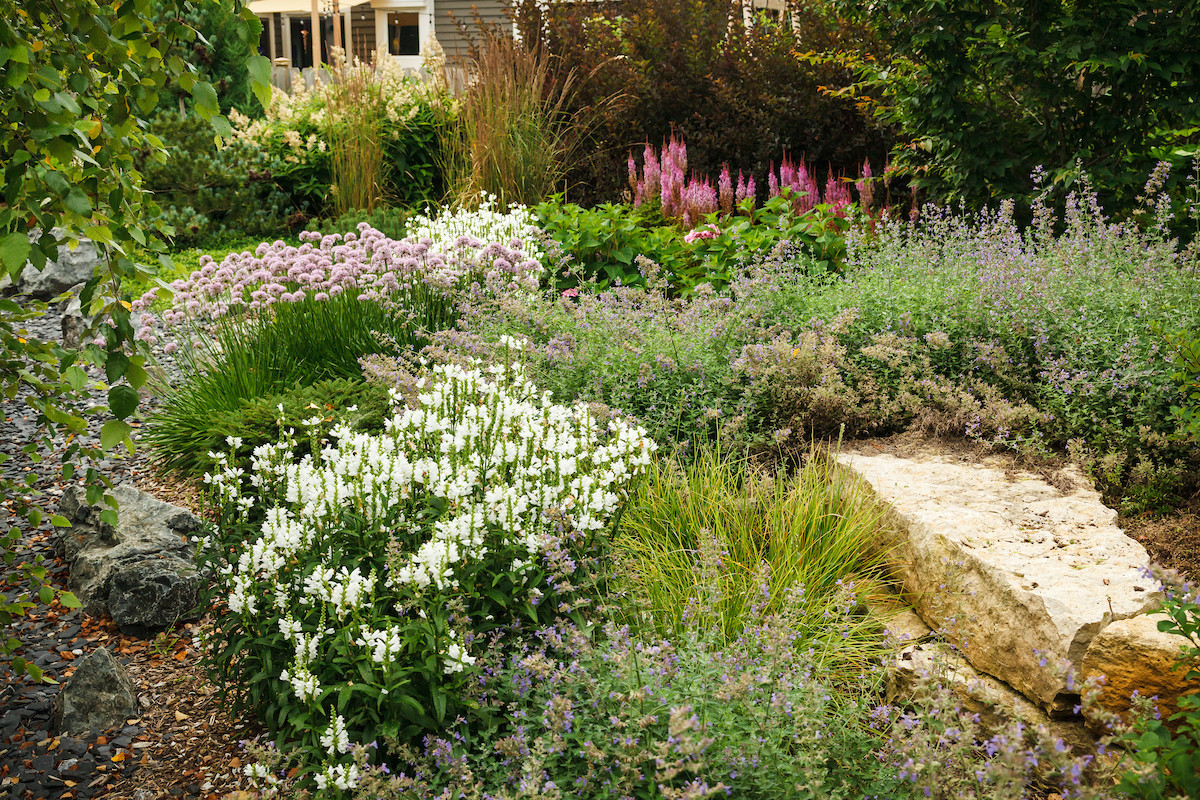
{"points": [[428, 600]]}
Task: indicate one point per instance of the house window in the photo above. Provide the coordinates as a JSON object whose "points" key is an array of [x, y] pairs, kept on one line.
{"points": [[404, 33]]}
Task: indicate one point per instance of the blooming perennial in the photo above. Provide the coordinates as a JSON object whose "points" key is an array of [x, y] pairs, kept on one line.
{"points": [[517, 227], [367, 263], [348, 547]]}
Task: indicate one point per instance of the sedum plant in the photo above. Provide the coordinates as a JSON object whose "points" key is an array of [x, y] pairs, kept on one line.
{"points": [[358, 578]]}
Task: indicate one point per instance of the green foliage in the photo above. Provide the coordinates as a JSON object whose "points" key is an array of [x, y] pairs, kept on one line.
{"points": [[1186, 355], [77, 77], [359, 579], [1165, 754], [303, 131], [1103, 87], [615, 716], [602, 244], [265, 420], [220, 53], [712, 543], [298, 345], [206, 190], [391, 222], [737, 94]]}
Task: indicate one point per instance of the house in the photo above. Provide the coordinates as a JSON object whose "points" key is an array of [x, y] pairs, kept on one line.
{"points": [[398, 28]]}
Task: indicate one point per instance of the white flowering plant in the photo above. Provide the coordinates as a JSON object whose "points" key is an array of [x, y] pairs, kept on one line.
{"points": [[516, 227], [295, 130], [359, 578]]}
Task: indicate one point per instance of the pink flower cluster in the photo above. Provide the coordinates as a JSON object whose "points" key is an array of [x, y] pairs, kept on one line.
{"points": [[689, 199], [684, 199], [368, 264]]}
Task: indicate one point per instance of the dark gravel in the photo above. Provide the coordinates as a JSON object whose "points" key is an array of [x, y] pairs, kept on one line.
{"points": [[34, 761]]}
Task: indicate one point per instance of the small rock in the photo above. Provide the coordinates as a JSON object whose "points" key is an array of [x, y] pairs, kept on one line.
{"points": [[1134, 656], [98, 695], [141, 571]]}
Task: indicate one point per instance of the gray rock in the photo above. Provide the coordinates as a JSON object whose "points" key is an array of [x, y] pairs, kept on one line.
{"points": [[1018, 573], [70, 268], [72, 323], [99, 695], [142, 571]]}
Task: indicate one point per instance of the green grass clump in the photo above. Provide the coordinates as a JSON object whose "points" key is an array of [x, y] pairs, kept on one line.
{"points": [[714, 544], [245, 360]]}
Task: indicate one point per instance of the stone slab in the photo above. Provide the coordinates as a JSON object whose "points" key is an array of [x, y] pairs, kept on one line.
{"points": [[1020, 574]]}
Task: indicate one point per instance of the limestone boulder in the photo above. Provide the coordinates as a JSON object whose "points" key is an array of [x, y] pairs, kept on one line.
{"points": [[140, 571], [99, 695], [996, 704], [1019, 574], [1134, 656]]}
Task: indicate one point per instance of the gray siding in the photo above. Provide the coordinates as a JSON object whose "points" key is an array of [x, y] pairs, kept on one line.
{"points": [[490, 12]]}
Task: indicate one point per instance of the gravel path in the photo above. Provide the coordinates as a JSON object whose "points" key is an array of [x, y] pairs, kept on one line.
{"points": [[34, 762]]}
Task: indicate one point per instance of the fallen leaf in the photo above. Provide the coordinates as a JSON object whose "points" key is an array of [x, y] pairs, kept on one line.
{"points": [[118, 756], [180, 716]]}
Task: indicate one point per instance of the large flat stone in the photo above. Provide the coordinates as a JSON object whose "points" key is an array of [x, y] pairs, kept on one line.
{"points": [[1019, 574], [1134, 656]]}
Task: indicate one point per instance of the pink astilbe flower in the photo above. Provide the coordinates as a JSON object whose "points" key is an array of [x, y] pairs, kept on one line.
{"points": [[725, 190], [866, 187], [706, 232], [837, 195]]}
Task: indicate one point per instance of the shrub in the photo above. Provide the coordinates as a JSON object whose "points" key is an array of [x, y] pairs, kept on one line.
{"points": [[1165, 759], [1026, 340], [354, 403], [711, 544], [737, 94], [620, 716], [1064, 86], [602, 244], [227, 376], [288, 316], [206, 191], [357, 597]]}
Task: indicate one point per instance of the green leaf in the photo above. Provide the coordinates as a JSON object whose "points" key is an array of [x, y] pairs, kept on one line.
{"points": [[206, 99], [116, 364], [58, 183], [59, 521], [136, 373], [75, 377], [113, 433], [78, 202], [222, 127], [260, 78], [14, 252], [122, 401]]}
